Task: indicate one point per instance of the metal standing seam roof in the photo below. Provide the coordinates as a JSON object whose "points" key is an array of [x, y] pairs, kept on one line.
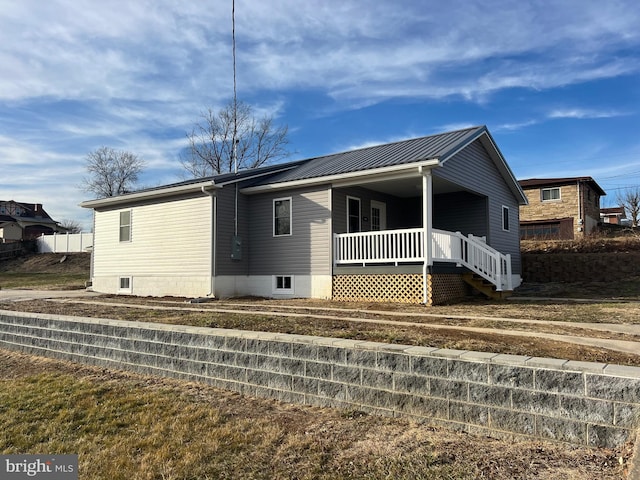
{"points": [[434, 147], [369, 158]]}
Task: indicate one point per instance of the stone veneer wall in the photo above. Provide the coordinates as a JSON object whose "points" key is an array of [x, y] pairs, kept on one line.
{"points": [[481, 393], [579, 267], [566, 206]]}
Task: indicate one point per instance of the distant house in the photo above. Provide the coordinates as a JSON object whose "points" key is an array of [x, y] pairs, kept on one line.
{"points": [[406, 222], [560, 208], [24, 221], [613, 215]]}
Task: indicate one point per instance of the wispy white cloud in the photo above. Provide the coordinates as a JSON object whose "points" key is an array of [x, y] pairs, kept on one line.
{"points": [[583, 113], [79, 74], [511, 127]]}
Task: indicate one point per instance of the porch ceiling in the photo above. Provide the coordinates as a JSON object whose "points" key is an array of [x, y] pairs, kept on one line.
{"points": [[412, 187]]}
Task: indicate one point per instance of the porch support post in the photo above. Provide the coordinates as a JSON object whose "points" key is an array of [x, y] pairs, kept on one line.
{"points": [[427, 216]]}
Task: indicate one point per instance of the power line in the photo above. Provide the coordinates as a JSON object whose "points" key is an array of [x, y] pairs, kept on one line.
{"points": [[235, 93]]}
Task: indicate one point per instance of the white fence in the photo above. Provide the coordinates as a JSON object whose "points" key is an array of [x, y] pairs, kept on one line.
{"points": [[65, 243], [406, 246]]}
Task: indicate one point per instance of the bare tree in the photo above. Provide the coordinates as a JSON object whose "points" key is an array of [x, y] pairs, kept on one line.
{"points": [[111, 172], [258, 141], [71, 226], [630, 200]]}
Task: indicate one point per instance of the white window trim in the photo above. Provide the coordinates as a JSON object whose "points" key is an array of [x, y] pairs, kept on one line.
{"points": [[273, 217], [274, 285], [506, 209], [551, 199], [349, 197], [130, 226], [125, 290]]}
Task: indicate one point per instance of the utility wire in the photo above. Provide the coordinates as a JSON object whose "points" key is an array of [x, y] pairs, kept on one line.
{"points": [[235, 93]]}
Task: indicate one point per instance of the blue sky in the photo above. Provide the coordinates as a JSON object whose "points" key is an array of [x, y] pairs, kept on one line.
{"points": [[557, 82]]}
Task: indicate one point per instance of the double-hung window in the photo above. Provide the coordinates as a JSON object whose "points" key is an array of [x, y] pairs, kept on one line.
{"points": [[353, 215], [505, 218], [282, 217], [125, 226]]}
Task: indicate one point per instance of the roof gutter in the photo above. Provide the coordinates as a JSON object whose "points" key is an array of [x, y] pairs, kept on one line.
{"points": [[150, 194], [408, 169]]}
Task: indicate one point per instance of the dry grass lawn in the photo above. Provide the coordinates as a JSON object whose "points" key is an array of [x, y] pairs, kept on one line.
{"points": [[126, 426]]}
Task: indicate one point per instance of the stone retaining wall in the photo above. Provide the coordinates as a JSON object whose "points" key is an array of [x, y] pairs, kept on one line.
{"points": [[482, 393]]}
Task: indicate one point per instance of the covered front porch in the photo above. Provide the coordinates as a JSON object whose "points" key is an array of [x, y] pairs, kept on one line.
{"points": [[410, 231], [407, 247]]}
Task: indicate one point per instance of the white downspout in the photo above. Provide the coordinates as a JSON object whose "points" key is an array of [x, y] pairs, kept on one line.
{"points": [[212, 263], [427, 224]]}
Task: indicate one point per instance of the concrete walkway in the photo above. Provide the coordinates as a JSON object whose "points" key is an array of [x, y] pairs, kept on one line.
{"points": [[20, 295]]}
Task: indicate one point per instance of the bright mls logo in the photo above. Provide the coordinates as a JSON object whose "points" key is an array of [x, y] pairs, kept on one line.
{"points": [[50, 467]]}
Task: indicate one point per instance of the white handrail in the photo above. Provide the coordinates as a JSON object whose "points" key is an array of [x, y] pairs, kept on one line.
{"points": [[407, 245], [387, 246]]}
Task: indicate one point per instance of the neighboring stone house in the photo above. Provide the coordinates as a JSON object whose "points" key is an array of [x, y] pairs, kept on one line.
{"points": [[24, 221], [560, 208]]}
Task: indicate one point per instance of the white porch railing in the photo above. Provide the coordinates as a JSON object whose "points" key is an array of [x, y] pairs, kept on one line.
{"points": [[407, 246]]}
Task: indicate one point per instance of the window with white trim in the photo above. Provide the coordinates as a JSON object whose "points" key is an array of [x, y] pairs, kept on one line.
{"points": [[505, 218], [353, 215], [283, 284], [550, 194], [125, 226], [124, 284], [281, 217]]}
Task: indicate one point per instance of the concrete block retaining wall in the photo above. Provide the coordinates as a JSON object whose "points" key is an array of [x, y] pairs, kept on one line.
{"points": [[580, 267], [484, 393]]}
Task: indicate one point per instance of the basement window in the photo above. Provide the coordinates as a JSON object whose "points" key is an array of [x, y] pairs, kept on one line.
{"points": [[283, 284], [124, 285]]}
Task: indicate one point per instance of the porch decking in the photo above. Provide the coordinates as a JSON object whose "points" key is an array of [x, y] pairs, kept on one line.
{"points": [[407, 246]]}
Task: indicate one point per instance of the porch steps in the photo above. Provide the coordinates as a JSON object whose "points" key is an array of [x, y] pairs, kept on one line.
{"points": [[485, 287]]}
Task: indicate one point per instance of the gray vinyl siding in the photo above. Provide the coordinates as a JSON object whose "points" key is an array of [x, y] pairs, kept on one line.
{"points": [[461, 212], [473, 169], [366, 196], [225, 231], [307, 251]]}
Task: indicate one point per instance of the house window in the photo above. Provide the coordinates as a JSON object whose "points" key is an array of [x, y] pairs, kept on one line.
{"points": [[549, 194], [353, 215], [283, 284], [282, 216], [124, 285], [505, 218], [125, 226]]}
